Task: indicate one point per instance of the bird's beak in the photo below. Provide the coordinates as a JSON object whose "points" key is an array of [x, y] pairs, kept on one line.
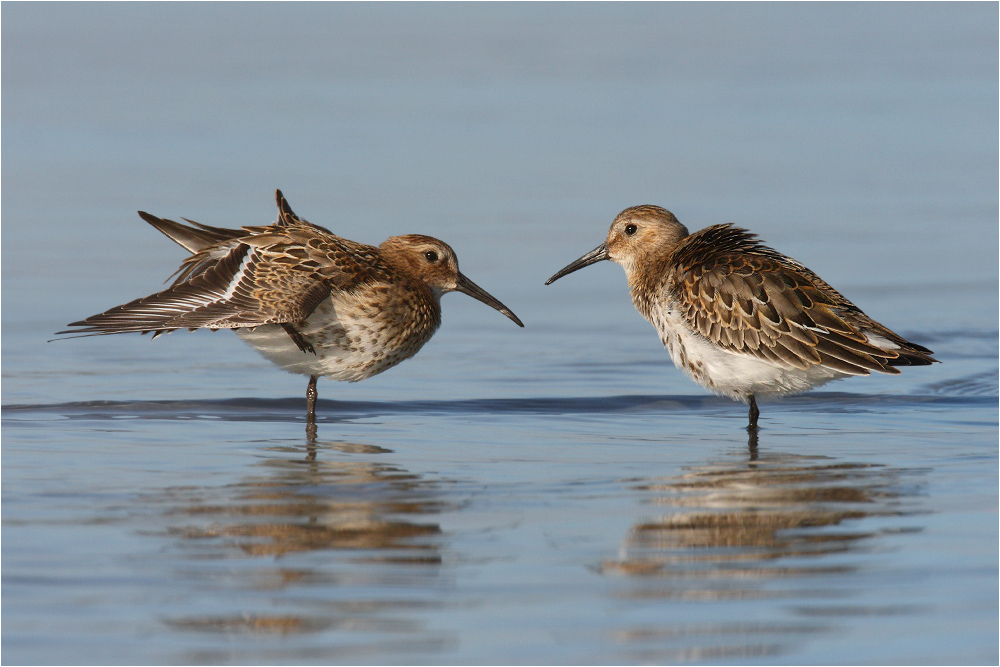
{"points": [[598, 254], [466, 286]]}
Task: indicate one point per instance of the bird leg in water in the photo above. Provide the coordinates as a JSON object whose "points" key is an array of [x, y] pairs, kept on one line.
{"points": [[311, 400], [754, 412]]}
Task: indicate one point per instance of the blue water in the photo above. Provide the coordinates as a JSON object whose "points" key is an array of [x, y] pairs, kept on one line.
{"points": [[557, 494]]}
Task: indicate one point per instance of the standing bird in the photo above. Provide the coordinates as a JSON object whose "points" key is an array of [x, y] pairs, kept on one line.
{"points": [[739, 318], [310, 301]]}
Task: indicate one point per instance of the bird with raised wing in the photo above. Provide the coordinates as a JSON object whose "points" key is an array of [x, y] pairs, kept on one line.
{"points": [[742, 319], [308, 300]]}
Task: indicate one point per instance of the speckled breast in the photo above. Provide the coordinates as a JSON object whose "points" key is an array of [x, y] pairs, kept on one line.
{"points": [[356, 335]]}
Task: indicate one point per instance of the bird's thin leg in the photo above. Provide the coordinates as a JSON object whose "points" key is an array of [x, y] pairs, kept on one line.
{"points": [[752, 440], [311, 400], [754, 412], [752, 428]]}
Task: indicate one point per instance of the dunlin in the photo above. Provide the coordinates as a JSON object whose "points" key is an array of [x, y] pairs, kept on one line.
{"points": [[308, 300], [742, 319]]}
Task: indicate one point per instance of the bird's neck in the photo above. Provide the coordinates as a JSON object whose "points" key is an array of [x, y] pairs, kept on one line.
{"points": [[644, 287]]}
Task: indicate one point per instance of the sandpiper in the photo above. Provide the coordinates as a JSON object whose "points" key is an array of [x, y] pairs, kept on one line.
{"points": [[308, 300], [740, 318]]}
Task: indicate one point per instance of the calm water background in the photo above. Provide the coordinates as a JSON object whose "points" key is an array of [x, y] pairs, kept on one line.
{"points": [[556, 494]]}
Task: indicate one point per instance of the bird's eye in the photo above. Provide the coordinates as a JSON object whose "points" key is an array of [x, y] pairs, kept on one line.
{"points": [[630, 229], [431, 256]]}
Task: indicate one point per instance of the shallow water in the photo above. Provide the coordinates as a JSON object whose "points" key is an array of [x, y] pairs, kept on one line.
{"points": [[557, 494]]}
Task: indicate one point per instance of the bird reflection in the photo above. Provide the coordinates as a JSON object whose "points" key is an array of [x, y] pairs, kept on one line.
{"points": [[322, 518], [306, 504], [769, 508], [732, 529], [752, 440]]}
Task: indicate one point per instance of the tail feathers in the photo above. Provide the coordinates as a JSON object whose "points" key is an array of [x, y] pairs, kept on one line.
{"points": [[919, 356], [906, 353]]}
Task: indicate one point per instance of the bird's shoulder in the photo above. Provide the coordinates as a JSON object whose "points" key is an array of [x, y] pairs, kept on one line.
{"points": [[312, 249]]}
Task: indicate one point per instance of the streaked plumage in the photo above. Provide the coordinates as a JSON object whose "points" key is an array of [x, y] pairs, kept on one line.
{"points": [[310, 301], [740, 318]]}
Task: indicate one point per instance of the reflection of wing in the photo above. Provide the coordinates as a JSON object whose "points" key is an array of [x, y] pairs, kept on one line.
{"points": [[244, 278], [748, 298]]}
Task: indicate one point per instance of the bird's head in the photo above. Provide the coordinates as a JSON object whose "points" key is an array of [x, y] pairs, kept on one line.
{"points": [[638, 236], [433, 262]]}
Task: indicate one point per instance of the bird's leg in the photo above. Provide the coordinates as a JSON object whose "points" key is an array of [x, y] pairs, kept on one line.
{"points": [[311, 401], [752, 428], [297, 338], [754, 412], [752, 441]]}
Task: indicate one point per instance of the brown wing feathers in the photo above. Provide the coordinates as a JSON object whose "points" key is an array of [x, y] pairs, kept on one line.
{"points": [[749, 298], [235, 278], [221, 297], [193, 238], [276, 274]]}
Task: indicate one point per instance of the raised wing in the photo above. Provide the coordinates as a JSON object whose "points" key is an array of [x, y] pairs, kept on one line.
{"points": [[258, 275], [239, 290], [751, 299]]}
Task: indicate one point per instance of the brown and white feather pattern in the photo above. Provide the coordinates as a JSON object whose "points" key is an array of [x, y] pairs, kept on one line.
{"points": [[723, 301], [269, 275], [308, 300], [739, 318]]}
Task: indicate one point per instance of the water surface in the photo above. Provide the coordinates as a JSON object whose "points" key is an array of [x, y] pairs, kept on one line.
{"points": [[557, 494]]}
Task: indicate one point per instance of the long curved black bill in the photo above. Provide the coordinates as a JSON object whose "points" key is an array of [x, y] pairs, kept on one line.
{"points": [[598, 254], [466, 286]]}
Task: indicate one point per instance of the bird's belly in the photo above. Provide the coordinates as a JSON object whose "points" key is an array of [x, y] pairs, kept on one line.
{"points": [[733, 374], [347, 347]]}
